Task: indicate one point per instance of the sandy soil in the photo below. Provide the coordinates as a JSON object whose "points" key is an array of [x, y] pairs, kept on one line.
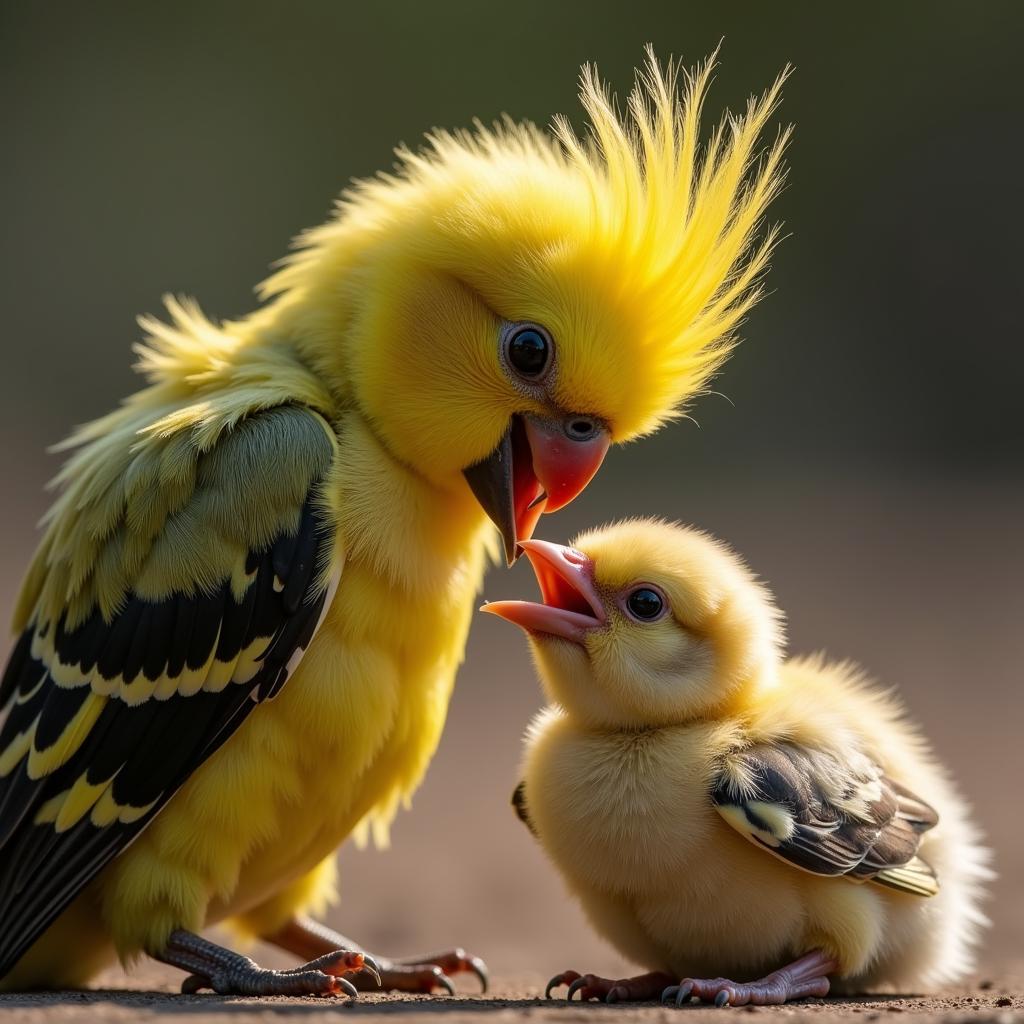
{"points": [[985, 1001]]}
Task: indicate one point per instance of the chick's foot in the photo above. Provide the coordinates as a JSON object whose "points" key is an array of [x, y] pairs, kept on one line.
{"points": [[805, 977], [230, 973], [421, 974], [591, 986]]}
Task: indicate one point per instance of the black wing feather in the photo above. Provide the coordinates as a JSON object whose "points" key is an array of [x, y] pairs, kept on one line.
{"points": [[825, 816], [148, 749]]}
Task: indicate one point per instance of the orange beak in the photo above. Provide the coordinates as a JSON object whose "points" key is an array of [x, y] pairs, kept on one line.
{"points": [[539, 466], [571, 604]]}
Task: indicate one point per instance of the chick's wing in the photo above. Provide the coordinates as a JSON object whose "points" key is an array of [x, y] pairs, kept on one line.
{"points": [[827, 815]]}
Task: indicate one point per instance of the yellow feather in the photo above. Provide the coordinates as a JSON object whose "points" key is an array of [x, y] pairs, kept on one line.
{"points": [[47, 813], [106, 810], [49, 759], [17, 749], [77, 803]]}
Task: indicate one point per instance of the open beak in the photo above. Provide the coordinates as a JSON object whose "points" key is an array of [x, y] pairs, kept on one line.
{"points": [[539, 466], [571, 604]]}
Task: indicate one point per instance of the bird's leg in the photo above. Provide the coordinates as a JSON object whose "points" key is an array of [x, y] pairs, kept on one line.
{"points": [[591, 986], [423, 974], [805, 977], [229, 973]]}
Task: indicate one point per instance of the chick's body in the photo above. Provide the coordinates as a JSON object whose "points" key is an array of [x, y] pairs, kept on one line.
{"points": [[627, 818], [647, 784]]}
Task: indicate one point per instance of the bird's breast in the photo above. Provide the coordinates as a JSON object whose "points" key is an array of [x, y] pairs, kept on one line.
{"points": [[350, 735], [623, 807]]}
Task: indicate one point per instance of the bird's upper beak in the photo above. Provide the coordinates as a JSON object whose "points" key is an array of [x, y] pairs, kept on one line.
{"points": [[539, 466], [571, 604]]}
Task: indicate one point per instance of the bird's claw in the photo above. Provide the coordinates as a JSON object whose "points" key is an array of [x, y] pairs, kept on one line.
{"points": [[678, 994], [434, 978], [576, 982], [444, 981], [591, 986], [339, 962], [687, 989], [195, 983], [576, 986], [371, 968], [564, 978], [457, 961], [425, 973], [779, 987], [419, 978], [346, 986]]}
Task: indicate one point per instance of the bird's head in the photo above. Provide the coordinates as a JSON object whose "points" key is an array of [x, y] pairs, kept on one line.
{"points": [[644, 623], [511, 301]]}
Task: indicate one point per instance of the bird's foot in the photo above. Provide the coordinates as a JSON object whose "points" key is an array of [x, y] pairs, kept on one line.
{"points": [[642, 988], [229, 973], [807, 976], [426, 974], [421, 974]]}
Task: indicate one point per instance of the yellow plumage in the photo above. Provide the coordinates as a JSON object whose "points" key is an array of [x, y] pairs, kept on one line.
{"points": [[340, 415], [651, 782]]}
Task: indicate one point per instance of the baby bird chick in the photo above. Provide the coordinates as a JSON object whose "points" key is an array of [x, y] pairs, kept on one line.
{"points": [[721, 812]]}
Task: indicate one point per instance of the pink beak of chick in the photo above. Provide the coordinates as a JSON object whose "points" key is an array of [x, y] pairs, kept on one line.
{"points": [[571, 604]]}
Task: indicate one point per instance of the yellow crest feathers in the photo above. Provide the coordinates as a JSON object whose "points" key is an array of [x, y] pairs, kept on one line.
{"points": [[636, 244], [682, 219]]}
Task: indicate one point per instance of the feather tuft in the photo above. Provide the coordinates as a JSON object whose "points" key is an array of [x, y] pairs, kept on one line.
{"points": [[633, 235]]}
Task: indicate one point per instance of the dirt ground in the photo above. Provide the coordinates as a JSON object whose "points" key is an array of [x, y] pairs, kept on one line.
{"points": [[984, 1001]]}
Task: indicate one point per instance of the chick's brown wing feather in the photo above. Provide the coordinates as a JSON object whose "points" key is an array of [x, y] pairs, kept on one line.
{"points": [[826, 815], [520, 808]]}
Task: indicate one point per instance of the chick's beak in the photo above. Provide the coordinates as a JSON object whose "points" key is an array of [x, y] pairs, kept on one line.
{"points": [[539, 466], [571, 604]]}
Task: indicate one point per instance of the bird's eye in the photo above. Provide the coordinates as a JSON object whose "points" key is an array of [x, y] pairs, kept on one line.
{"points": [[645, 604], [528, 350]]}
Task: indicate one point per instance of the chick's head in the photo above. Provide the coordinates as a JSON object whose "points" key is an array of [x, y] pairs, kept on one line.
{"points": [[644, 623], [510, 300]]}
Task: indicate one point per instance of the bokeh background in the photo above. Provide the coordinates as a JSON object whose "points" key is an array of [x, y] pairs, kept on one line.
{"points": [[867, 448]]}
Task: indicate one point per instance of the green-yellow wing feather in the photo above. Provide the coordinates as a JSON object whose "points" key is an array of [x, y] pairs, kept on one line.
{"points": [[176, 587], [827, 816]]}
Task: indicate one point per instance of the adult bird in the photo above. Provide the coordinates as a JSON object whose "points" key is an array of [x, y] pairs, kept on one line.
{"points": [[240, 632]]}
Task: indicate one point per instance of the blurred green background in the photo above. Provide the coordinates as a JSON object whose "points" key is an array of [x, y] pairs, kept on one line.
{"points": [[866, 458]]}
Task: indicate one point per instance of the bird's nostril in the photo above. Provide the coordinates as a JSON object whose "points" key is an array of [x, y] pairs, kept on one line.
{"points": [[581, 428]]}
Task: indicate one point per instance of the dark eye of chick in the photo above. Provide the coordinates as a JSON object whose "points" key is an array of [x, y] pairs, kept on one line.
{"points": [[529, 350], [645, 603]]}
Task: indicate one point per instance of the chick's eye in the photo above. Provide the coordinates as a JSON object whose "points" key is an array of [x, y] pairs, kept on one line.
{"points": [[529, 350], [645, 604]]}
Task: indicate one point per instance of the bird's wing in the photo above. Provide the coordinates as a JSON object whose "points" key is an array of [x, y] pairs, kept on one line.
{"points": [[110, 711], [825, 815], [519, 807]]}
